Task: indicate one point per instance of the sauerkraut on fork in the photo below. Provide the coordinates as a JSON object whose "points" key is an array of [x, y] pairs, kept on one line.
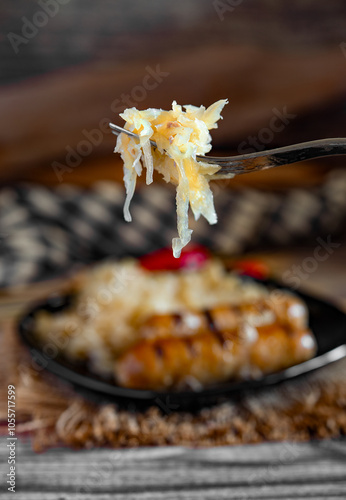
{"points": [[180, 136]]}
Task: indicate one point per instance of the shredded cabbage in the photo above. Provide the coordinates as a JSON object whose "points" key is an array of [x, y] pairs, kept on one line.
{"points": [[180, 136]]}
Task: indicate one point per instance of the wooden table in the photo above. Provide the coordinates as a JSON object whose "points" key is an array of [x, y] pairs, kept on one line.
{"points": [[287, 470]]}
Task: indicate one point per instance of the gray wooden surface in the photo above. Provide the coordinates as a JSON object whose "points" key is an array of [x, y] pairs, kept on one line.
{"points": [[282, 471]]}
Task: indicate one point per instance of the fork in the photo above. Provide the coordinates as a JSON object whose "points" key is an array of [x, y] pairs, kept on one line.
{"points": [[262, 160]]}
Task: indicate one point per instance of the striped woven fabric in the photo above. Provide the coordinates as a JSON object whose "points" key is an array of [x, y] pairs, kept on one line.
{"points": [[44, 232]]}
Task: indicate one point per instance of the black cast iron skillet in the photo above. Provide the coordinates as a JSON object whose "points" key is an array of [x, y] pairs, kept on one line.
{"points": [[327, 322]]}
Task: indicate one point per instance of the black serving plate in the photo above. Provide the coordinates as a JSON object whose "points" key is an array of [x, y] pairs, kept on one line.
{"points": [[327, 322]]}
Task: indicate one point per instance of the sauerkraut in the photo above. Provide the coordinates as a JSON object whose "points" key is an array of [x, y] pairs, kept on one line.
{"points": [[180, 136]]}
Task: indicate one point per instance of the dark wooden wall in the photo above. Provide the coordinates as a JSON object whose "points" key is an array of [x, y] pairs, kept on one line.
{"points": [[264, 56]]}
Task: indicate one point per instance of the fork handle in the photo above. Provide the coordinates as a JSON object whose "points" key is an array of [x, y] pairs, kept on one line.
{"points": [[262, 160]]}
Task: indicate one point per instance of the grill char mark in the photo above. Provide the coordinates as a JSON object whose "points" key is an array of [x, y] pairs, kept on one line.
{"points": [[213, 328]]}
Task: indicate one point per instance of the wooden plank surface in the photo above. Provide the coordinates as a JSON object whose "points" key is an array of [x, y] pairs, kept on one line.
{"points": [[279, 470]]}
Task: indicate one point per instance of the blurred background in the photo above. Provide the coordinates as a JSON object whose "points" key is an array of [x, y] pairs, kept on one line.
{"points": [[68, 67]]}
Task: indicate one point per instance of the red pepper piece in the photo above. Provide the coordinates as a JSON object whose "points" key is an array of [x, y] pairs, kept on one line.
{"points": [[192, 257]]}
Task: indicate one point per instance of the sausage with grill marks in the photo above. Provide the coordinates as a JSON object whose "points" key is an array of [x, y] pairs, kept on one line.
{"points": [[226, 342]]}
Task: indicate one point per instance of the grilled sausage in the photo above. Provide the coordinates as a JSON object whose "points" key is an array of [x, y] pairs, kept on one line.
{"points": [[171, 361], [277, 348], [282, 307], [225, 342], [164, 363]]}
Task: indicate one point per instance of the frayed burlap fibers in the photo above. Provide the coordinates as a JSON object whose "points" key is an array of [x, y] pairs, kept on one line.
{"points": [[51, 413]]}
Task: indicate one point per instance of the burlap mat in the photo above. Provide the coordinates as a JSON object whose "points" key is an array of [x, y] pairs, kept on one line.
{"points": [[51, 413]]}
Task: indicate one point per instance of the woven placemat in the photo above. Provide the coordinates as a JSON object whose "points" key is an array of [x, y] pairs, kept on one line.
{"points": [[52, 414], [46, 232]]}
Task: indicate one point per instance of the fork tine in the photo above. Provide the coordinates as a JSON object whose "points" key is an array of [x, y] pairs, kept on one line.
{"points": [[116, 130]]}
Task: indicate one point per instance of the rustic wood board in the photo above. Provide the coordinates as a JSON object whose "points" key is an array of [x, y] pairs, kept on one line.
{"points": [[286, 470]]}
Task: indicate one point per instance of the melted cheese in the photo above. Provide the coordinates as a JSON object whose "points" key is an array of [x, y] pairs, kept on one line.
{"points": [[180, 136]]}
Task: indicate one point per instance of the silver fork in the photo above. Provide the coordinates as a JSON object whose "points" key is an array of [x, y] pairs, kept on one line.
{"points": [[262, 160]]}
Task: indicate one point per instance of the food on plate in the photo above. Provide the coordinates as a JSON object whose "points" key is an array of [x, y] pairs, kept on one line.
{"points": [[240, 341], [180, 136], [175, 329]]}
